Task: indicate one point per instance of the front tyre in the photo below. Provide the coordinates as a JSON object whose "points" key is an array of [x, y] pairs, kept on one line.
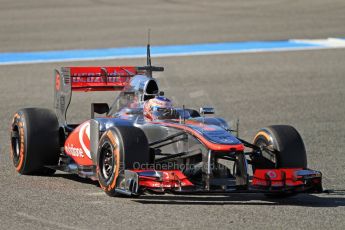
{"points": [[286, 145], [286, 151], [120, 148]]}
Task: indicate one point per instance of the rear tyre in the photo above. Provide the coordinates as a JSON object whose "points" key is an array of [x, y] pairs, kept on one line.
{"points": [[35, 141], [288, 148], [120, 148]]}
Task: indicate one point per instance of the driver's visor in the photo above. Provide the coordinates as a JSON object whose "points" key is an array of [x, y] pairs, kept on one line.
{"points": [[161, 113]]}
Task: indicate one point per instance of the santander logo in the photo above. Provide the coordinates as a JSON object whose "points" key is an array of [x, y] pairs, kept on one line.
{"points": [[84, 136]]}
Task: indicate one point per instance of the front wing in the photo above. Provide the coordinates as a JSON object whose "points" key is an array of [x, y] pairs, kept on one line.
{"points": [[268, 181]]}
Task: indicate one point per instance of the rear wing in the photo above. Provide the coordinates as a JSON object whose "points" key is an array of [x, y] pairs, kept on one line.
{"points": [[98, 78], [84, 79]]}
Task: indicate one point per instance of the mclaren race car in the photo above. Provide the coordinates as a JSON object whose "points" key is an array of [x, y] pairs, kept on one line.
{"points": [[134, 147]]}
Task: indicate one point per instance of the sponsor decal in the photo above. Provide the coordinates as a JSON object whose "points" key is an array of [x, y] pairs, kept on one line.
{"points": [[57, 81], [218, 136], [96, 79], [22, 143], [84, 133], [111, 74], [272, 174], [62, 103], [99, 78], [77, 144], [76, 152]]}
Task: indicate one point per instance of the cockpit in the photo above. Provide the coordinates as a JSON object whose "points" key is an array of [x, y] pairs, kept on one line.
{"points": [[175, 113]]}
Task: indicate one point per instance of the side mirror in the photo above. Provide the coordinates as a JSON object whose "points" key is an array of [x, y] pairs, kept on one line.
{"points": [[99, 108], [206, 110]]}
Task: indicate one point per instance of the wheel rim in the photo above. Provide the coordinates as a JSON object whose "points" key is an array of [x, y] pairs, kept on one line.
{"points": [[15, 142], [262, 142], [107, 162]]}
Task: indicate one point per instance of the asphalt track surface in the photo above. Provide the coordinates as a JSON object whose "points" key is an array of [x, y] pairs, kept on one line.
{"points": [[305, 89]]}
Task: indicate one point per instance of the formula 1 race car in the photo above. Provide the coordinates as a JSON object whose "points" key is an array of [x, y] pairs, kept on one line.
{"points": [[180, 150]]}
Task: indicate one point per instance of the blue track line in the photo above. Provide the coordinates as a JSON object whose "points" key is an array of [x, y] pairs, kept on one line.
{"points": [[166, 50]]}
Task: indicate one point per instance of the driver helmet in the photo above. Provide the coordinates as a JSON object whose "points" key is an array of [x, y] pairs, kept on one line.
{"points": [[159, 108]]}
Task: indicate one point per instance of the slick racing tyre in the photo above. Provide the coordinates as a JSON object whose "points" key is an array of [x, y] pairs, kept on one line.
{"points": [[286, 145], [34, 141], [120, 148], [287, 151]]}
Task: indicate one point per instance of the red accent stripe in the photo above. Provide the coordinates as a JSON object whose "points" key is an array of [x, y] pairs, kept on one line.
{"points": [[170, 179], [207, 143]]}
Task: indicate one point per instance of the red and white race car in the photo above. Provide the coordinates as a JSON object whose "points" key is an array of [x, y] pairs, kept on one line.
{"points": [[141, 143]]}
